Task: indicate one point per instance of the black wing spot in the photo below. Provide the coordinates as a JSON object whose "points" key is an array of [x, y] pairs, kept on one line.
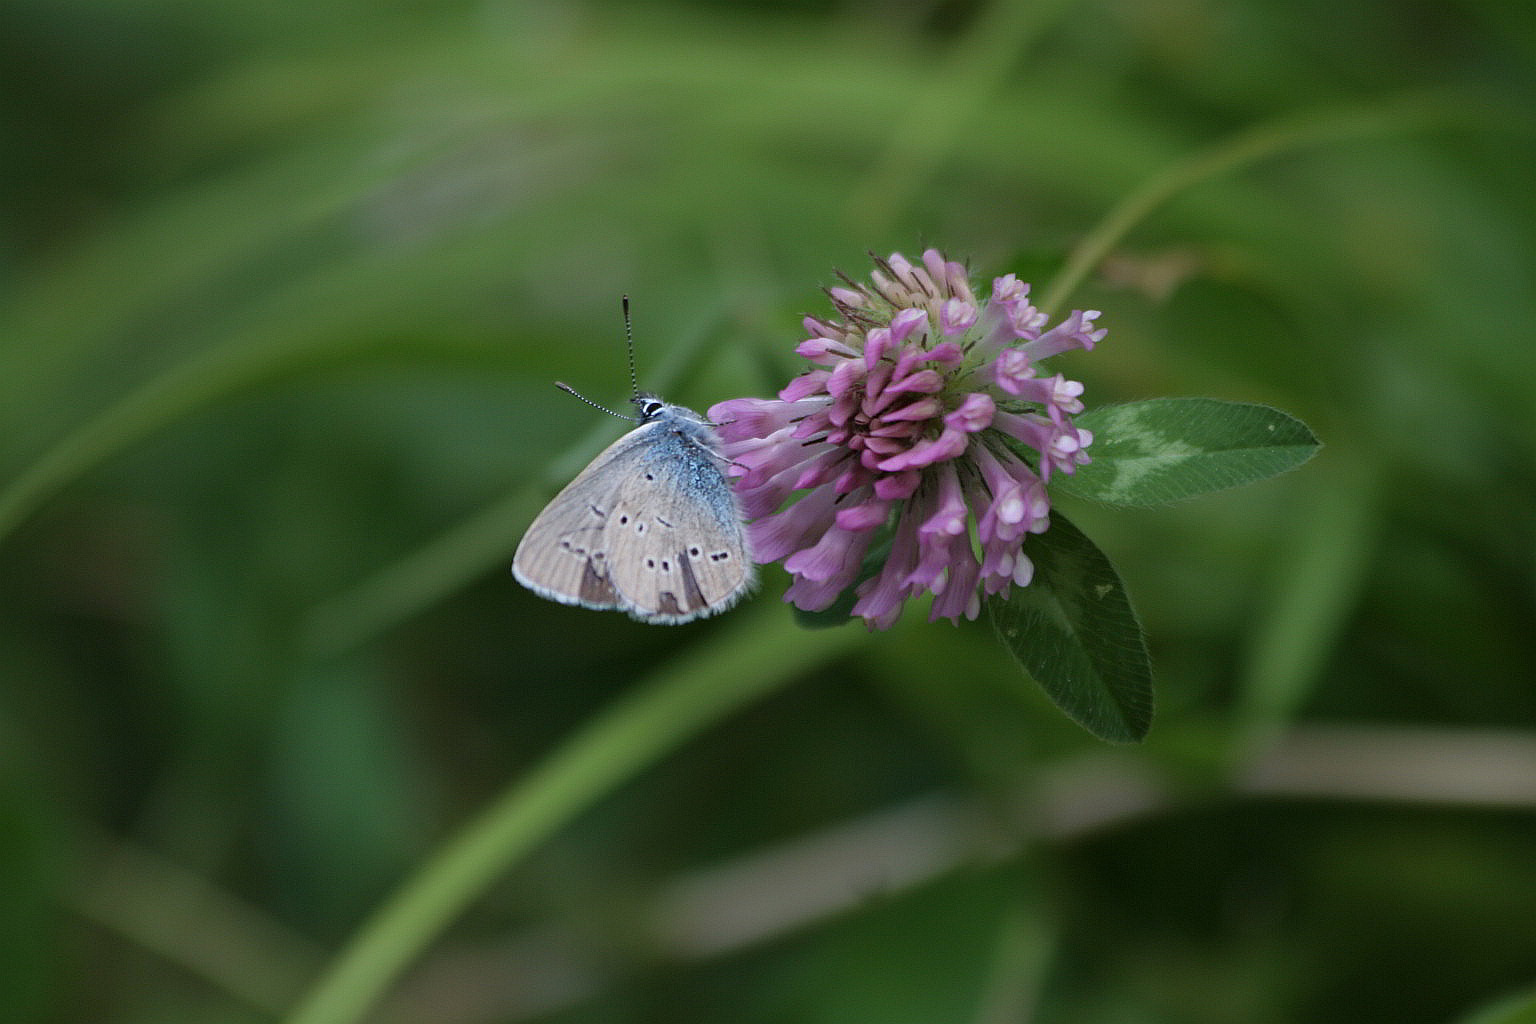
{"points": [[623, 520], [650, 563], [666, 566], [693, 552]]}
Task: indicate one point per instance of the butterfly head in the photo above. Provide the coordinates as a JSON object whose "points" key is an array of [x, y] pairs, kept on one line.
{"points": [[651, 408]]}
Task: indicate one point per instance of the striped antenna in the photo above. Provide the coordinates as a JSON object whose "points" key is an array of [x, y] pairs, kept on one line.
{"points": [[629, 343], [601, 408]]}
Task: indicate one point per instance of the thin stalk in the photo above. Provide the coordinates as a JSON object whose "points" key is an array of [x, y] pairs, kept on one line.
{"points": [[1246, 147]]}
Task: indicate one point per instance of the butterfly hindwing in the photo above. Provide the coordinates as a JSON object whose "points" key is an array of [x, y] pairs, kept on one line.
{"points": [[682, 555]]}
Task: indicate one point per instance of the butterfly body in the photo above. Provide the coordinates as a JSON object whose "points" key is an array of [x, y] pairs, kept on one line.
{"points": [[651, 527]]}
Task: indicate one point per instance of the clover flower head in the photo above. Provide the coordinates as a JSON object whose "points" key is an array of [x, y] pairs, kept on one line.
{"points": [[925, 420]]}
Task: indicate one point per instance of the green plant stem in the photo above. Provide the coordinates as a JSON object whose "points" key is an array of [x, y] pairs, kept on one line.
{"points": [[1323, 561], [749, 657], [1244, 148]]}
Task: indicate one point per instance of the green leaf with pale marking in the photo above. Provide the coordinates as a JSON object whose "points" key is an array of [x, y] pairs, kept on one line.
{"points": [[1169, 449], [1074, 631]]}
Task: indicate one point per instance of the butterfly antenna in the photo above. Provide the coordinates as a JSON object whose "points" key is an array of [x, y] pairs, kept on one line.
{"points": [[601, 408], [629, 344]]}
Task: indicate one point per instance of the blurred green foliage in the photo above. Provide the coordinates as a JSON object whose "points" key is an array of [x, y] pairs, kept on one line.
{"points": [[283, 287]]}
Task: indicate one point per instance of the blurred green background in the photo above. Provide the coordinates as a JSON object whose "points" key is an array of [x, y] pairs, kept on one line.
{"points": [[283, 289]]}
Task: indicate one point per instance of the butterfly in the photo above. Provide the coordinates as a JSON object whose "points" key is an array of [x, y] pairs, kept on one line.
{"points": [[651, 527]]}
